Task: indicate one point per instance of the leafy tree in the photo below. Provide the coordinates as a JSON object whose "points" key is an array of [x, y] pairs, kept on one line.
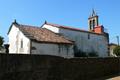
{"points": [[116, 50], [1, 41]]}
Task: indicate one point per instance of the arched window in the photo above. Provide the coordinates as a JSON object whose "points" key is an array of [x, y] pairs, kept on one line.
{"points": [[93, 23], [90, 25], [21, 43]]}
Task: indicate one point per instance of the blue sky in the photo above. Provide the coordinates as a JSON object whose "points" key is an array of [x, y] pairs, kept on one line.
{"points": [[66, 12]]}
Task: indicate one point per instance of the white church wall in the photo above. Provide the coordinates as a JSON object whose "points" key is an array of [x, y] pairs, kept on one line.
{"points": [[15, 36], [12, 39], [52, 28]]}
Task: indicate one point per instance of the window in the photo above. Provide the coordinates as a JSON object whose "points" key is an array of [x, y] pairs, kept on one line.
{"points": [[93, 24], [88, 36], [21, 43], [90, 25]]}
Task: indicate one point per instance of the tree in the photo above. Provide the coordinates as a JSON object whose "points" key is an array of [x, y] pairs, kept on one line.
{"points": [[116, 50], [1, 41]]}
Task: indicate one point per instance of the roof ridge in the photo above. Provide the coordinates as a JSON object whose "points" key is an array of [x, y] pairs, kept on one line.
{"points": [[64, 26], [27, 25], [59, 24]]}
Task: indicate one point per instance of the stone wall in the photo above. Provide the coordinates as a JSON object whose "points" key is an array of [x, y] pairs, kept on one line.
{"points": [[44, 67]]}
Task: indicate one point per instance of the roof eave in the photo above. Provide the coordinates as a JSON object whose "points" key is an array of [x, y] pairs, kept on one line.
{"points": [[71, 43], [13, 23], [9, 29]]}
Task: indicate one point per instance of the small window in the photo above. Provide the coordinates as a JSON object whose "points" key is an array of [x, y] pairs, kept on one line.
{"points": [[21, 43], [88, 36]]}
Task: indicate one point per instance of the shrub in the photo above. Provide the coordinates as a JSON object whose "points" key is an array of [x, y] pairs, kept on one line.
{"points": [[92, 54], [80, 54], [116, 51]]}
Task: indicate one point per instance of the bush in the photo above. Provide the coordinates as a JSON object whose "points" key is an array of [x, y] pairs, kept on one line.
{"points": [[92, 54], [80, 54], [116, 51]]}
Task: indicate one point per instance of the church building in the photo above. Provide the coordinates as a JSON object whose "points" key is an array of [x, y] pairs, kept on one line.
{"points": [[59, 40]]}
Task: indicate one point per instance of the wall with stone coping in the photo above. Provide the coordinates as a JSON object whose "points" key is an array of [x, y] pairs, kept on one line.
{"points": [[45, 67]]}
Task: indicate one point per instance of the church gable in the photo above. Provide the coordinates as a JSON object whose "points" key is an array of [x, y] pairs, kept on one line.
{"points": [[41, 34]]}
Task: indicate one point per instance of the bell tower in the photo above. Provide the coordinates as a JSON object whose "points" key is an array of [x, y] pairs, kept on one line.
{"points": [[93, 21]]}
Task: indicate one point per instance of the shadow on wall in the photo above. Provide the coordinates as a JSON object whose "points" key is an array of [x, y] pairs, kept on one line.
{"points": [[80, 53]]}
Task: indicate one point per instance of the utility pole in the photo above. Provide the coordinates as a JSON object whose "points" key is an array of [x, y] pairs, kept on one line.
{"points": [[117, 40]]}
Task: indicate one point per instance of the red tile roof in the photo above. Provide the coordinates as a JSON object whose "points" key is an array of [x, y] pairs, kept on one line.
{"points": [[65, 27], [42, 35]]}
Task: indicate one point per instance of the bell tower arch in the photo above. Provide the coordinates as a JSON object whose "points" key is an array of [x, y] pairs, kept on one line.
{"points": [[93, 21]]}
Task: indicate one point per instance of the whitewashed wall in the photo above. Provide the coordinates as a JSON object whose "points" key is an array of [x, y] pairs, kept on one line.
{"points": [[52, 28], [88, 42], [15, 36], [111, 48], [96, 43], [53, 49]]}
